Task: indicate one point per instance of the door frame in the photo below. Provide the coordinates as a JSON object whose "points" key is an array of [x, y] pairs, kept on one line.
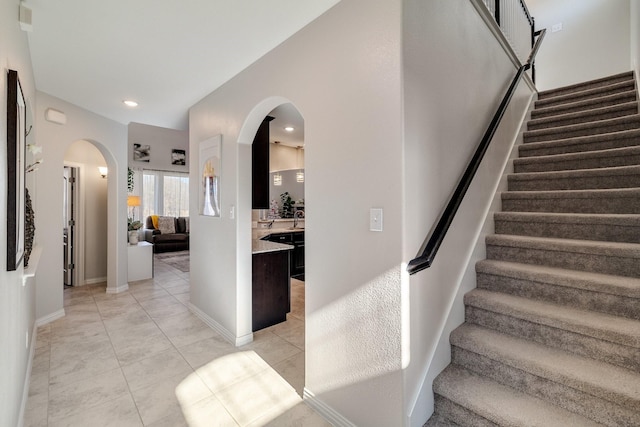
{"points": [[79, 235]]}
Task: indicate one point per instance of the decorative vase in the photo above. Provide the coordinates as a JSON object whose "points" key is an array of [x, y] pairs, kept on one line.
{"points": [[29, 227], [133, 237]]}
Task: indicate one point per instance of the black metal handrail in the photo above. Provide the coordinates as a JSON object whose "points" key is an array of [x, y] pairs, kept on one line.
{"points": [[434, 240]]}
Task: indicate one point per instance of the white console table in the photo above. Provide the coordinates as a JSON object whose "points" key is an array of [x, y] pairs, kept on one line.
{"points": [[140, 260]]}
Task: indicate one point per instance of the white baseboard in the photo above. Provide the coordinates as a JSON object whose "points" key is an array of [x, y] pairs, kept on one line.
{"points": [[327, 412], [50, 318], [27, 376], [121, 288], [237, 341], [95, 280]]}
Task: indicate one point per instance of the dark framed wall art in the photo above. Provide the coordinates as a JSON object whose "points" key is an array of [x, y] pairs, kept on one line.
{"points": [[16, 134], [178, 157]]}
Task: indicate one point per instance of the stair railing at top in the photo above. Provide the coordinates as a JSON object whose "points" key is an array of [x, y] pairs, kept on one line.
{"points": [[434, 240], [516, 23]]}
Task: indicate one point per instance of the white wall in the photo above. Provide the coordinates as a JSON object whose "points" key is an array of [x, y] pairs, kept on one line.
{"points": [[111, 139], [283, 157], [162, 141], [456, 73], [94, 189], [593, 43], [17, 302], [635, 37], [343, 73]]}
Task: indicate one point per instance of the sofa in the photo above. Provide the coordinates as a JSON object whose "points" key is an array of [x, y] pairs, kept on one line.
{"points": [[167, 233]]}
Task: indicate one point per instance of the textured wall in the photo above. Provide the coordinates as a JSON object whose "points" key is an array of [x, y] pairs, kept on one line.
{"points": [[342, 72]]}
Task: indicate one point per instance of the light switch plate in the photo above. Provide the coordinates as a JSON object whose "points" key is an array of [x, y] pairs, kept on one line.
{"points": [[375, 219], [556, 27]]}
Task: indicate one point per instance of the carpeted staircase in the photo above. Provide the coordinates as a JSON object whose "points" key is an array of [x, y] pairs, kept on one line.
{"points": [[552, 332]]}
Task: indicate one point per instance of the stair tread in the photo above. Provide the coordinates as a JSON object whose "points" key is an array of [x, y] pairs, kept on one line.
{"points": [[567, 218], [584, 194], [575, 173], [559, 109], [546, 97], [585, 113], [606, 327], [581, 155], [626, 75], [597, 282], [583, 126], [599, 379], [501, 404], [552, 243]]}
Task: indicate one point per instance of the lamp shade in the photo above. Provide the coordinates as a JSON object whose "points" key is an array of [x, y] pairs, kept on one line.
{"points": [[133, 200]]}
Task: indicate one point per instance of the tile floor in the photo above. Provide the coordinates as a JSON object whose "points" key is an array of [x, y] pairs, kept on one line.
{"points": [[141, 358]]}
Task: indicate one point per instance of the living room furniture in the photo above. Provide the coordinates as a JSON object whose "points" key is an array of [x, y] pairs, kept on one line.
{"points": [[177, 239], [140, 261]]}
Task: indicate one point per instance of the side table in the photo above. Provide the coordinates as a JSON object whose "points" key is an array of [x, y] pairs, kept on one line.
{"points": [[140, 260]]}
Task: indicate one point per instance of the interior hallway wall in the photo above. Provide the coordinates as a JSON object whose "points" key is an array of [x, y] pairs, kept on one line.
{"points": [[594, 40], [111, 139], [342, 72], [17, 302]]}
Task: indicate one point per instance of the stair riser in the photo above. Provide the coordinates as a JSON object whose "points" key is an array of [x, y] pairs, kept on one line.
{"points": [[616, 354], [600, 142], [580, 181], [600, 410], [580, 231], [556, 134], [459, 414], [587, 105], [597, 263], [578, 163], [571, 297], [583, 118], [583, 94], [624, 77], [610, 205], [438, 420]]}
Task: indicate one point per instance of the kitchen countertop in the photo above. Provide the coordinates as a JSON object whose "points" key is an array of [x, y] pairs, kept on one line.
{"points": [[264, 246], [262, 232]]}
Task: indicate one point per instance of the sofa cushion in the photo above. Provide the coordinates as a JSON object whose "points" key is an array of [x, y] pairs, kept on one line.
{"points": [[182, 225], [173, 237], [167, 224]]}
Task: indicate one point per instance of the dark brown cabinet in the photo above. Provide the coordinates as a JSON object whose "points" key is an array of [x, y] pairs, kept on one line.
{"points": [[297, 255], [271, 288], [295, 238], [260, 166]]}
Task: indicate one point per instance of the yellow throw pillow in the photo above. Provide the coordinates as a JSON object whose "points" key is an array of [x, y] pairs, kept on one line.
{"points": [[154, 221]]}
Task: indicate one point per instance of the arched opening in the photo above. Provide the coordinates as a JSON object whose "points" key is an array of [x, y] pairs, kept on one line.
{"points": [[87, 206], [282, 220]]}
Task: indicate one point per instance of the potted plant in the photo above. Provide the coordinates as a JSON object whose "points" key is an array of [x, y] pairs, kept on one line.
{"points": [[133, 227], [287, 205]]}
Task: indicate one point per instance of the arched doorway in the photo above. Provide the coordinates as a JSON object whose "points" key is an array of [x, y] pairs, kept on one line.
{"points": [[282, 219], [85, 213]]}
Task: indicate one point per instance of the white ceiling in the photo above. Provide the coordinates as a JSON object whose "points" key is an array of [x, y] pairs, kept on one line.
{"points": [[166, 55]]}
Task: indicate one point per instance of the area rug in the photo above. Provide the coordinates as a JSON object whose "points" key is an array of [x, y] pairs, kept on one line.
{"points": [[179, 259]]}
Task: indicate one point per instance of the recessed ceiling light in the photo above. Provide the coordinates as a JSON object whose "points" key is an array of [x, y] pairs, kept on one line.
{"points": [[130, 103], [289, 128]]}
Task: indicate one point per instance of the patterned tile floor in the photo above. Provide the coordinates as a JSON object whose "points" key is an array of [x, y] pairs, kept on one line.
{"points": [[141, 358]]}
